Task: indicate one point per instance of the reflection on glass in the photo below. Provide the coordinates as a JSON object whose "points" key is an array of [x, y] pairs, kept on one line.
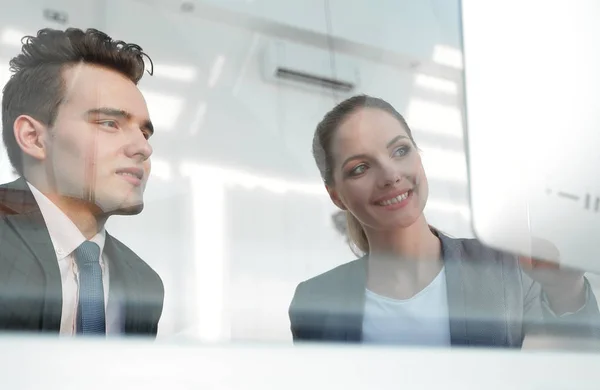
{"points": [[237, 215]]}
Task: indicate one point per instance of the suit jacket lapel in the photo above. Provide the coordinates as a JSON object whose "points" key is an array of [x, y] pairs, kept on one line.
{"points": [[135, 288], [25, 218], [122, 287]]}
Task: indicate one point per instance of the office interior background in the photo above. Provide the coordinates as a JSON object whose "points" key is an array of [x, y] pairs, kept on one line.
{"points": [[236, 214]]}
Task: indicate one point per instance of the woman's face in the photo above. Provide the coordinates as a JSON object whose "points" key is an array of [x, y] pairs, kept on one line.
{"points": [[377, 171]]}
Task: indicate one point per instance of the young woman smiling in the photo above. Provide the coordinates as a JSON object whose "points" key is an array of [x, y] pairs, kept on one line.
{"points": [[415, 285]]}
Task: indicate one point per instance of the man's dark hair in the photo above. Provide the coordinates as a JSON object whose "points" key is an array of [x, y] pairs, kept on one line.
{"points": [[37, 87]]}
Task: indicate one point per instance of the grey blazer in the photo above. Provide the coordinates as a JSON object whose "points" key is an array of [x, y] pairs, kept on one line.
{"points": [[491, 301], [30, 282]]}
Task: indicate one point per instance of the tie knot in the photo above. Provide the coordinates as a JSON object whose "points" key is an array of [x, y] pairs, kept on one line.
{"points": [[87, 253]]}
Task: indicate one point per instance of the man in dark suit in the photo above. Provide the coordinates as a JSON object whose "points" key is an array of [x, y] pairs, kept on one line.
{"points": [[77, 130]]}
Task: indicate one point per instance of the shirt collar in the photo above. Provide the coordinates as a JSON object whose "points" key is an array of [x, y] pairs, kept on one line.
{"points": [[65, 236]]}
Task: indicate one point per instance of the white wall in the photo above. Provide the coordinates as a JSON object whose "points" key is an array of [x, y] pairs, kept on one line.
{"points": [[236, 215]]}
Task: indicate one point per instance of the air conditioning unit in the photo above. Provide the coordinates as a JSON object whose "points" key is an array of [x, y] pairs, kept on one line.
{"points": [[309, 67]]}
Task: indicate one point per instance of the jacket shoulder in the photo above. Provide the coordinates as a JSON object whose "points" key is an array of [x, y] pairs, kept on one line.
{"points": [[473, 250], [332, 279]]}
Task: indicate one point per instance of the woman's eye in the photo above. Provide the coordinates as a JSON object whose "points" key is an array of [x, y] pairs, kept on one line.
{"points": [[358, 170], [401, 151]]}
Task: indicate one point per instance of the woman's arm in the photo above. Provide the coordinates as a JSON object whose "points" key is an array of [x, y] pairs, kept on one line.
{"points": [[540, 320]]}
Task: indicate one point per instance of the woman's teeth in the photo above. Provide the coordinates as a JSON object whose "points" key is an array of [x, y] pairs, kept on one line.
{"points": [[397, 199]]}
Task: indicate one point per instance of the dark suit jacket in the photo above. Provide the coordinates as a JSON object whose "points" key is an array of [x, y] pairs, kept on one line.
{"points": [[30, 282], [491, 301]]}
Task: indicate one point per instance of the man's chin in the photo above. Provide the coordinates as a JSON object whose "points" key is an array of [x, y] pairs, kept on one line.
{"points": [[129, 210], [125, 208]]}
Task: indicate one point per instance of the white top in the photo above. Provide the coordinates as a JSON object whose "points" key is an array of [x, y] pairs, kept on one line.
{"points": [[66, 237], [422, 320]]}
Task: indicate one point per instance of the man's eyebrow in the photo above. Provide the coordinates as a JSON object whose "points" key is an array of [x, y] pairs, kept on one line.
{"points": [[118, 113], [115, 112]]}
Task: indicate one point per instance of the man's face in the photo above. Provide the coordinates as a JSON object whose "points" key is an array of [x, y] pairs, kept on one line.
{"points": [[98, 149]]}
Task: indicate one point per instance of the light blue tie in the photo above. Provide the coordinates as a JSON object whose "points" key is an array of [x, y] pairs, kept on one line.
{"points": [[90, 310]]}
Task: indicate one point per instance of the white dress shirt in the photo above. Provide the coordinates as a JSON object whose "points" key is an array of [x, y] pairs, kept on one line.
{"points": [[66, 237]]}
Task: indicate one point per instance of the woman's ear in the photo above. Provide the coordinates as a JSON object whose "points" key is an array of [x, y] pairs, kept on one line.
{"points": [[335, 197], [30, 134]]}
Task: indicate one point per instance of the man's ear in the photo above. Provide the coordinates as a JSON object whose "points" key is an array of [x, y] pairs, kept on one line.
{"points": [[335, 197], [30, 135]]}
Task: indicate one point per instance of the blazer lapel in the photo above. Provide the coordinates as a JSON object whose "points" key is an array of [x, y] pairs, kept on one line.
{"points": [[344, 321], [26, 219], [476, 298], [452, 255]]}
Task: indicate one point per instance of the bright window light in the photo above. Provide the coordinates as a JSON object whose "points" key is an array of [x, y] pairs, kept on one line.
{"points": [[434, 117], [199, 116], [444, 164], [161, 169], [4, 72], [449, 56], [7, 172], [164, 109], [209, 252], [448, 207], [215, 71], [436, 84], [175, 72], [234, 177], [12, 37], [245, 64]]}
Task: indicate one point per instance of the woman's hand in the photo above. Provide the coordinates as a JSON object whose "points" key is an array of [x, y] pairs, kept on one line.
{"points": [[564, 287]]}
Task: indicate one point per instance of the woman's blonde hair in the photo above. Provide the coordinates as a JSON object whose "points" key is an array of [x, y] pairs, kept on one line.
{"points": [[322, 153], [356, 233]]}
